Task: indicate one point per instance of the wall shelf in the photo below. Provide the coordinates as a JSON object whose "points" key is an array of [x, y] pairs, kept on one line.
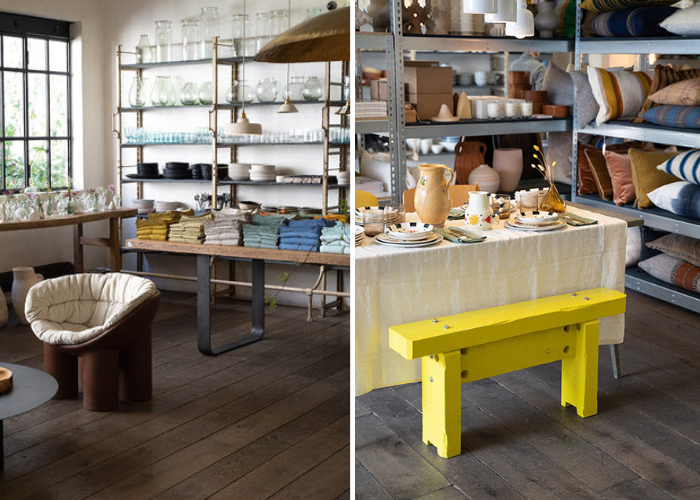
{"points": [[638, 45], [371, 41], [487, 127], [379, 126], [646, 132], [448, 43]]}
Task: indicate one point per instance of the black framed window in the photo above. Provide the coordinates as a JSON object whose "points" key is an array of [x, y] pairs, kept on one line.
{"points": [[35, 102]]}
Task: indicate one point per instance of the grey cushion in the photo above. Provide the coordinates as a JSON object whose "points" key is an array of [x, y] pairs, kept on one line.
{"points": [[586, 105], [559, 86], [559, 150]]}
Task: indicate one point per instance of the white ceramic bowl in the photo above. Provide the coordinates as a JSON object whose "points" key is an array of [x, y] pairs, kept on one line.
{"points": [[164, 206], [436, 148]]}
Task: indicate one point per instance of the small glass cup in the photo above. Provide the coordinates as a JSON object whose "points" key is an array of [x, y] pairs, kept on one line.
{"points": [[528, 201], [373, 221], [505, 200], [394, 213]]}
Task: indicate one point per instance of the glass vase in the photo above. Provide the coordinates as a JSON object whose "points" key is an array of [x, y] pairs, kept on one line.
{"points": [[206, 93], [267, 90], [190, 39], [295, 89], [240, 29], [144, 51], [164, 39], [552, 201], [163, 92], [239, 92], [313, 89], [209, 28], [189, 95], [137, 93]]}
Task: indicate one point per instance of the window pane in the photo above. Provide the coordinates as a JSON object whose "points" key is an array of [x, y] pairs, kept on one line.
{"points": [[37, 54], [58, 56], [14, 105], [59, 164], [38, 167], [12, 52], [37, 105], [14, 164], [59, 105]]}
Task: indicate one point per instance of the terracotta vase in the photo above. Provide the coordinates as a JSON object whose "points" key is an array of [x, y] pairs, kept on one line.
{"points": [[487, 178], [508, 162], [432, 198], [23, 278], [3, 309], [468, 156], [546, 20]]}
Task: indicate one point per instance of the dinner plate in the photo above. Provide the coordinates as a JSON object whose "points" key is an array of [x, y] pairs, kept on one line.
{"points": [[410, 231], [389, 241], [359, 231], [536, 217], [534, 227]]}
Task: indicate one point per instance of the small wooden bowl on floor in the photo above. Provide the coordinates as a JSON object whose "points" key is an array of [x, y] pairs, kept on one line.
{"points": [[5, 379]]}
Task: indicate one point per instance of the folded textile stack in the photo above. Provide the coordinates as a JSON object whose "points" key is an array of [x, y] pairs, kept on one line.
{"points": [[303, 235], [336, 239], [226, 229], [189, 229], [264, 231], [156, 226]]}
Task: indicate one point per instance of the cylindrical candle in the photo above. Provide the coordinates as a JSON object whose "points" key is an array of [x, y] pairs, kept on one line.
{"points": [[511, 110], [526, 109], [493, 110]]}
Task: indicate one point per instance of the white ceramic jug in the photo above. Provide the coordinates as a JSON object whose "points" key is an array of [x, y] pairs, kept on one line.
{"points": [[478, 214]]}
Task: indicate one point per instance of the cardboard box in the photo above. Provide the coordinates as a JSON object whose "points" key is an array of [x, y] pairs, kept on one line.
{"points": [[428, 105], [427, 77], [377, 90]]}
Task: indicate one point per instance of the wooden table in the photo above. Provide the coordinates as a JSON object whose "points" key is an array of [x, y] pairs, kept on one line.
{"points": [[31, 388], [79, 241], [257, 257]]}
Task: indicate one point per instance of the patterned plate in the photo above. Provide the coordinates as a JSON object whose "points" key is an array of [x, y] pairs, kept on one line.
{"points": [[388, 240], [537, 217], [410, 231], [534, 227]]}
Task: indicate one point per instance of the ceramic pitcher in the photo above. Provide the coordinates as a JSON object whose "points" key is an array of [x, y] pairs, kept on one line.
{"points": [[23, 278], [432, 198], [479, 213]]}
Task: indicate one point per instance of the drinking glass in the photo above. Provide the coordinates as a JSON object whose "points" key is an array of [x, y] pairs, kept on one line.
{"points": [[505, 201], [394, 213], [279, 21], [373, 221], [528, 201]]}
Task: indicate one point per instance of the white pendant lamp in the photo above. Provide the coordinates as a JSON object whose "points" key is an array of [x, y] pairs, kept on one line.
{"points": [[243, 125], [288, 107], [507, 12], [480, 6], [525, 24]]}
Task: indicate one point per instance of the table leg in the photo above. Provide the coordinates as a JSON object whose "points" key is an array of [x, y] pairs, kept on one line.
{"points": [[2, 448], [78, 258], [114, 244], [204, 311]]}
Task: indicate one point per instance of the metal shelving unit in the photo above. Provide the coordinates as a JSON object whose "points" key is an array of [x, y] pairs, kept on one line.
{"points": [[486, 127], [655, 218]]}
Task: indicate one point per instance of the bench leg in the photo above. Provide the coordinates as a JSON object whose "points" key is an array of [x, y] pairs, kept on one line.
{"points": [[579, 377], [442, 403]]}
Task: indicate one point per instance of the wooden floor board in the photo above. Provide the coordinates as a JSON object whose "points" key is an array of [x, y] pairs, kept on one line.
{"points": [[518, 441], [270, 395]]}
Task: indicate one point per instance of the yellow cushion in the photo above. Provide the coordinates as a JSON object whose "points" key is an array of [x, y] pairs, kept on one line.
{"points": [[646, 177]]}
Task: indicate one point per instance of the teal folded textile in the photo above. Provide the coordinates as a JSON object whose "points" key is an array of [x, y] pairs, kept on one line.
{"points": [[334, 249], [468, 237]]}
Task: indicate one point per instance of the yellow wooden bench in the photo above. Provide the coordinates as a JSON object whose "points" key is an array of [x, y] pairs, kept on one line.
{"points": [[480, 344]]}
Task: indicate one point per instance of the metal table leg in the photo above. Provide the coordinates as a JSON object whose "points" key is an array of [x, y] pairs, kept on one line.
{"points": [[2, 448], [203, 308]]}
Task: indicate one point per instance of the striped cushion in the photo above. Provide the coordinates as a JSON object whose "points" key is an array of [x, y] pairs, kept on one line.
{"points": [[672, 270], [674, 116], [620, 94], [643, 21], [608, 5], [684, 93], [680, 198], [685, 166], [663, 77]]}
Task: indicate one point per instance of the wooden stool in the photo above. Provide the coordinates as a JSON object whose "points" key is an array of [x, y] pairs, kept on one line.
{"points": [[480, 344]]}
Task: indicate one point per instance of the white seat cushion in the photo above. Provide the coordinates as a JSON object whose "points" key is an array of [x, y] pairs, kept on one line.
{"points": [[74, 309]]}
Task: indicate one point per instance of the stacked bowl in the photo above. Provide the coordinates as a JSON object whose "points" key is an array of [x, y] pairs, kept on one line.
{"points": [[239, 171], [263, 173]]}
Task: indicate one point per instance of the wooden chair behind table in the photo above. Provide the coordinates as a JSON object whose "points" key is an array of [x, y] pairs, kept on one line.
{"points": [[459, 195], [365, 199]]}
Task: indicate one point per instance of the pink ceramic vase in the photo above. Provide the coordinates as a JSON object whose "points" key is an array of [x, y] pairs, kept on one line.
{"points": [[508, 162]]}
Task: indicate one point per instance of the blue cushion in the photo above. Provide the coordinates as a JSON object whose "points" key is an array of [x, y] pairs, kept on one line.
{"points": [[643, 21], [685, 166], [680, 198], [674, 116]]}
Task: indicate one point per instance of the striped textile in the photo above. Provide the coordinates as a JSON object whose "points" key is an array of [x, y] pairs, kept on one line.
{"points": [[673, 270], [663, 77], [683, 93], [685, 166], [620, 94], [643, 21], [674, 116], [608, 5]]}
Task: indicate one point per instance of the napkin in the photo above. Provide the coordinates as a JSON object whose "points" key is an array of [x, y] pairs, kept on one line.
{"points": [[577, 220], [455, 239], [456, 214]]}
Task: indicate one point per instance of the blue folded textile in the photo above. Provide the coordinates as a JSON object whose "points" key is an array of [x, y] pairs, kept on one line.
{"points": [[311, 223], [299, 240], [302, 248], [312, 232]]}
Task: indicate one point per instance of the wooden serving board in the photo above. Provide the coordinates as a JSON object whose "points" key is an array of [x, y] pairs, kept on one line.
{"points": [[5, 379]]}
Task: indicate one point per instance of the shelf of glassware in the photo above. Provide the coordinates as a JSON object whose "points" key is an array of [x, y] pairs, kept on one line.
{"points": [[653, 217], [136, 66], [222, 144], [450, 43], [371, 41], [229, 106], [646, 132], [487, 127], [637, 279], [667, 45]]}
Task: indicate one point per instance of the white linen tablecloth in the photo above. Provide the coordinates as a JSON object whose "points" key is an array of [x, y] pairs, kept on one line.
{"points": [[396, 285]]}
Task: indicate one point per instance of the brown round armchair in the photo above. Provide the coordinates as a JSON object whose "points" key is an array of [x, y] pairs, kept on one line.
{"points": [[103, 320]]}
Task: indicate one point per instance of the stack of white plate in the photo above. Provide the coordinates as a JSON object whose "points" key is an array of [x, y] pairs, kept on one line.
{"points": [[144, 206], [409, 234], [359, 235], [239, 171], [344, 177], [535, 221], [393, 217], [263, 173], [164, 206], [358, 214]]}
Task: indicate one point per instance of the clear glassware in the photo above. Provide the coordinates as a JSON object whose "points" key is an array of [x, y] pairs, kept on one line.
{"points": [[206, 93], [189, 95], [240, 27], [313, 13], [267, 90], [163, 92], [164, 39], [209, 28], [137, 93], [144, 51], [313, 89], [239, 92], [190, 39], [295, 89], [279, 22], [262, 24]]}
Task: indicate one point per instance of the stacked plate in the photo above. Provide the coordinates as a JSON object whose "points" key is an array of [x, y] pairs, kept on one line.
{"points": [[358, 213], [535, 221], [239, 171], [393, 217], [144, 206], [263, 173], [177, 170], [359, 235], [409, 235]]}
